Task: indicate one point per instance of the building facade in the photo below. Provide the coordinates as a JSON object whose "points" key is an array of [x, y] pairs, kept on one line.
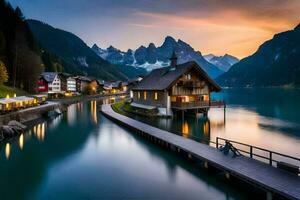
{"points": [[71, 84]]}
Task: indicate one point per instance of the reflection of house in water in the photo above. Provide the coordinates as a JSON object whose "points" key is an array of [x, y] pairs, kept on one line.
{"points": [[72, 114], [7, 150], [39, 131], [206, 128], [199, 130], [94, 112], [54, 122], [21, 141], [185, 129]]}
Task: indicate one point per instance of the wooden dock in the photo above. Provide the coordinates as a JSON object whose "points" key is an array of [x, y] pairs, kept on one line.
{"points": [[260, 174]]}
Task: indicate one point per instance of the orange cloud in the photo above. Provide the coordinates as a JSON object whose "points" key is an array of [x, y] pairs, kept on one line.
{"points": [[228, 31]]}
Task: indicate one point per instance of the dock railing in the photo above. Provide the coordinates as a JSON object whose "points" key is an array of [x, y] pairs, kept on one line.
{"points": [[198, 104], [271, 157]]}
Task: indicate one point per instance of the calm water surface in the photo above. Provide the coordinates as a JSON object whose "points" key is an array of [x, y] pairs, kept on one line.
{"points": [[83, 155], [267, 118]]}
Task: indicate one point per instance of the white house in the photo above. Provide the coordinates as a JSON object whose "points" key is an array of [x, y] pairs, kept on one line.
{"points": [[71, 84], [54, 82]]}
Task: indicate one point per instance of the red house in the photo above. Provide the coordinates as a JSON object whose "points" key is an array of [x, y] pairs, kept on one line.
{"points": [[42, 85]]}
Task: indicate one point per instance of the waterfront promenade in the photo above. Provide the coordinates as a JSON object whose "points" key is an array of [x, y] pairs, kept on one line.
{"points": [[262, 175]]}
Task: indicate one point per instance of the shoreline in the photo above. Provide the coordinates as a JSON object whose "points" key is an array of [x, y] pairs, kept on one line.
{"points": [[33, 115]]}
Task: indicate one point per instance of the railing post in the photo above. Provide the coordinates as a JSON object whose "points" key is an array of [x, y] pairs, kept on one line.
{"points": [[271, 161], [251, 151], [217, 144]]}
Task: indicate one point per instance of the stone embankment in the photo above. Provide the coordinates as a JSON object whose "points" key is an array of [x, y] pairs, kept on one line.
{"points": [[12, 129], [12, 124]]}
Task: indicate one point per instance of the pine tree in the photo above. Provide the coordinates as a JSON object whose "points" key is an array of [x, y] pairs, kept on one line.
{"points": [[3, 73], [19, 13]]}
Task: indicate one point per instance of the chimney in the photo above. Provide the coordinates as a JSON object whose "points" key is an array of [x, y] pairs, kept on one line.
{"points": [[173, 59]]}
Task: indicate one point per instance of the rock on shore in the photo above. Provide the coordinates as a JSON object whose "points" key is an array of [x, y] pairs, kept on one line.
{"points": [[12, 129]]}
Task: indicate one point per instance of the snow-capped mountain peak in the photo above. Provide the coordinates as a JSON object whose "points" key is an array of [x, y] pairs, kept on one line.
{"points": [[151, 57], [224, 63]]}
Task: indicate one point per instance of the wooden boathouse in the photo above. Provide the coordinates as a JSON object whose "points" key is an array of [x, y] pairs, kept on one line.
{"points": [[176, 87]]}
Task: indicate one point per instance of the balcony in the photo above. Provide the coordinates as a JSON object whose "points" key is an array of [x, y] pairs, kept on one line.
{"points": [[197, 104], [191, 84]]}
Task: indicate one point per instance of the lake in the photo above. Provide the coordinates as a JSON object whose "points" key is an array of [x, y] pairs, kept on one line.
{"points": [[83, 155]]}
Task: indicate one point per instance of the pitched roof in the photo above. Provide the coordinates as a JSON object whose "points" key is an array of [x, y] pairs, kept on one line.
{"points": [[163, 78], [84, 78], [49, 76]]}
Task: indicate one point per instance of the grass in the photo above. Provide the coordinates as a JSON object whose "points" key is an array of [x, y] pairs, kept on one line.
{"points": [[124, 108], [119, 107], [5, 90]]}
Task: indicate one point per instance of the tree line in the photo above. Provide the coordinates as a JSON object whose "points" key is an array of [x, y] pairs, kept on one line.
{"points": [[21, 58]]}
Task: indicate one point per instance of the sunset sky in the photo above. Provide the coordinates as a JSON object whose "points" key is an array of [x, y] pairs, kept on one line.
{"points": [[236, 27]]}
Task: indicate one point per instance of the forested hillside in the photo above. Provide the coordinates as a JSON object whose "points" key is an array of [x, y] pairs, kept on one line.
{"points": [[18, 49]]}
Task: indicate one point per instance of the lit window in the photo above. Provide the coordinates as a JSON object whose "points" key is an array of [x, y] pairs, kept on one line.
{"points": [[155, 96], [139, 95], [205, 97], [145, 95]]}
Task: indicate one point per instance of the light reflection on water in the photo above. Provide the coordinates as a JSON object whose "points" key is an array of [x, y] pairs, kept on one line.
{"points": [[94, 112], [21, 141], [39, 131], [246, 126], [7, 150]]}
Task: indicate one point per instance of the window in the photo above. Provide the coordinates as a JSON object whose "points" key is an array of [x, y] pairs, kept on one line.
{"points": [[189, 77], [145, 95], [205, 97], [139, 95], [155, 96]]}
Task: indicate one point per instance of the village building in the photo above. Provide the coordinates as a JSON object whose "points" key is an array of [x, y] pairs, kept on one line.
{"points": [[7, 104], [113, 87], [50, 82], [40, 98], [175, 88], [132, 83], [71, 84], [94, 84], [81, 83], [15, 103]]}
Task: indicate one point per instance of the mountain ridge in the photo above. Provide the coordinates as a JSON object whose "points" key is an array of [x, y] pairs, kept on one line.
{"points": [[224, 62], [275, 63], [152, 57]]}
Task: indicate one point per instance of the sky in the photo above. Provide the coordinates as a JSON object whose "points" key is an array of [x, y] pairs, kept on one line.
{"points": [[236, 27]]}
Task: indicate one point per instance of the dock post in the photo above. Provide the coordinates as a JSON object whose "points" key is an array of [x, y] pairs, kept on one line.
{"points": [[224, 113]]}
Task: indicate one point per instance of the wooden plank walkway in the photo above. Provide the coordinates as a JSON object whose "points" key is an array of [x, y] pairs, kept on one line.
{"points": [[247, 169]]}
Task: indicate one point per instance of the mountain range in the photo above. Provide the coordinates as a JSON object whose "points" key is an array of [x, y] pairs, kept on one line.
{"points": [[152, 57], [275, 63], [77, 56], [224, 63]]}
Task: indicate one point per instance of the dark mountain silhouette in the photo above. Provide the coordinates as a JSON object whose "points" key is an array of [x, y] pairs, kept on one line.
{"points": [[275, 63], [77, 55]]}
